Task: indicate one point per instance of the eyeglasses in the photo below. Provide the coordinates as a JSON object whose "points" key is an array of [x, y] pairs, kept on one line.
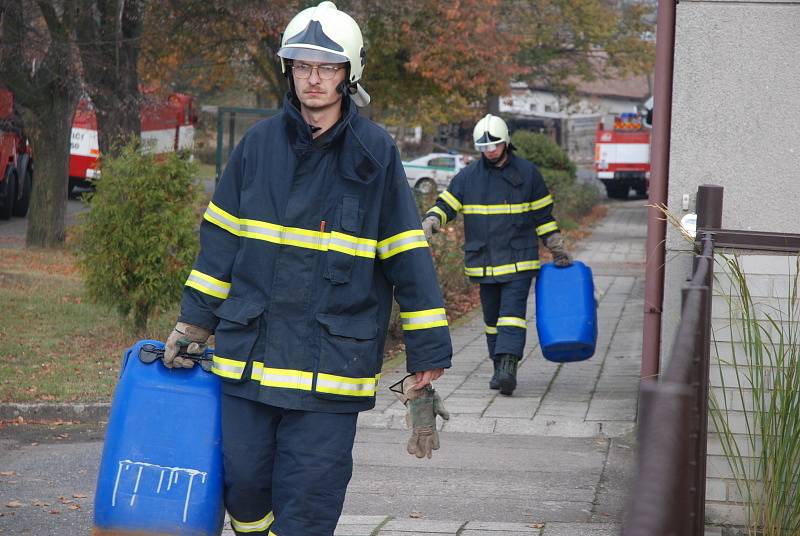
{"points": [[325, 72]]}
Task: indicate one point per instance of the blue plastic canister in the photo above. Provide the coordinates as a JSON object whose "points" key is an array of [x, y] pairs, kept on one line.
{"points": [[566, 313], [161, 471]]}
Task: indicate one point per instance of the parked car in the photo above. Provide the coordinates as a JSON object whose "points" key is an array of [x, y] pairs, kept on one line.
{"points": [[433, 172]]}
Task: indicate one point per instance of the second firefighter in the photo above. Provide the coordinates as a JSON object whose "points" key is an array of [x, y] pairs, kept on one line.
{"points": [[506, 208]]}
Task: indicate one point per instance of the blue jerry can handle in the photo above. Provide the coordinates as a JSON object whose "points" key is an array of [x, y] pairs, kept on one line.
{"points": [[149, 352]]}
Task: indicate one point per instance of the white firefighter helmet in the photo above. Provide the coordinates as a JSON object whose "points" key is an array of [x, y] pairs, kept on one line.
{"points": [[325, 34], [490, 131]]}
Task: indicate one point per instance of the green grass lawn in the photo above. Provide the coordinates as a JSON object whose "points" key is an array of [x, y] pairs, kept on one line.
{"points": [[55, 345]]}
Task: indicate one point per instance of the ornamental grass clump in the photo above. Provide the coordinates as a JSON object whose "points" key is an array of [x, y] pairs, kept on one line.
{"points": [[758, 416], [138, 239]]}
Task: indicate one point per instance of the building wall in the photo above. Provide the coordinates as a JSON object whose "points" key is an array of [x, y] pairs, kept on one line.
{"points": [[735, 123], [525, 101]]}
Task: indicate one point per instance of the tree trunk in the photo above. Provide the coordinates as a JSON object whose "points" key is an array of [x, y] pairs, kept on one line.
{"points": [[50, 141], [116, 121], [110, 33]]}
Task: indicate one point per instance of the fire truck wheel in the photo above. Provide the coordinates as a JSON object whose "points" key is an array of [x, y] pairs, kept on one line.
{"points": [[10, 192], [22, 204], [616, 191]]}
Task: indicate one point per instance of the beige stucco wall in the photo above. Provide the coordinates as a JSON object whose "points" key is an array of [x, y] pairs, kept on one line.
{"points": [[735, 122]]}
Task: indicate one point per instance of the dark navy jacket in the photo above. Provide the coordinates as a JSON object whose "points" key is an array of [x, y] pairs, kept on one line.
{"points": [[505, 211], [302, 248]]}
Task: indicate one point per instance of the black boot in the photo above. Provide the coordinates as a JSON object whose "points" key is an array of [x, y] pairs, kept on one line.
{"points": [[494, 383], [507, 373]]}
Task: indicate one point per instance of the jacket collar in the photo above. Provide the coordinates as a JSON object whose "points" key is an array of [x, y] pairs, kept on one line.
{"points": [[300, 136]]}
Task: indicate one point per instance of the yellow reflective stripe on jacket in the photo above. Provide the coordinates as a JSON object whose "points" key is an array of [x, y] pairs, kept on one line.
{"points": [[227, 368], [253, 526], [451, 200], [304, 381], [282, 378], [441, 213], [219, 217], [342, 385], [487, 210], [430, 318], [507, 208], [541, 203], [292, 236], [486, 271], [547, 228], [511, 321], [491, 330], [208, 285], [401, 242]]}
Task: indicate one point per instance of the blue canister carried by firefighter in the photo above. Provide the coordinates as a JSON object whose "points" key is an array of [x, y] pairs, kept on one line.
{"points": [[566, 312], [161, 471]]}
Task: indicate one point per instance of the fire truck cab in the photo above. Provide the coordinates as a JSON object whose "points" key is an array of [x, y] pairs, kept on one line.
{"points": [[622, 155], [16, 161]]}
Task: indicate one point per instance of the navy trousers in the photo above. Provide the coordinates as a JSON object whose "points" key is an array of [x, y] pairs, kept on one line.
{"points": [[504, 307], [286, 471]]}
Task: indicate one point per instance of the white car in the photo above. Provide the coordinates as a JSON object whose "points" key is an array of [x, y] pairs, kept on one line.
{"points": [[433, 172]]}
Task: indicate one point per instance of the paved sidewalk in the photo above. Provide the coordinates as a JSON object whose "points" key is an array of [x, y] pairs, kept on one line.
{"points": [[552, 460]]}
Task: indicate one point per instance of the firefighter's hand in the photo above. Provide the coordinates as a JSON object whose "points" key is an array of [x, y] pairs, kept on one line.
{"points": [[185, 338], [430, 226], [555, 243], [423, 407]]}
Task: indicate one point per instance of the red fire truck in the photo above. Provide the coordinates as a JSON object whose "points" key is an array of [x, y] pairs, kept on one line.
{"points": [[165, 127], [622, 155], [16, 161]]}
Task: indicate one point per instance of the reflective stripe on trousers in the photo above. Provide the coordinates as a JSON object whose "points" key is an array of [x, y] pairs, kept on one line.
{"points": [[504, 306]]}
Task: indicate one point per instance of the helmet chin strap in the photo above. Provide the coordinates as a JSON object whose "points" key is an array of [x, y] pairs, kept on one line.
{"points": [[495, 161]]}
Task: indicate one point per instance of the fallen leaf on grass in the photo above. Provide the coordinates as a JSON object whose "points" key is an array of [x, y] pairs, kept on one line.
{"points": [[79, 495], [536, 525], [7, 473], [14, 504], [55, 511], [416, 515], [74, 506]]}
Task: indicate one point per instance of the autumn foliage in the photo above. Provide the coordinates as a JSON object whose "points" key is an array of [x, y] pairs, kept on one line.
{"points": [[428, 62]]}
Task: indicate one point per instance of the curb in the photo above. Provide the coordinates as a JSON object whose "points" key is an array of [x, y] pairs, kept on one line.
{"points": [[95, 412]]}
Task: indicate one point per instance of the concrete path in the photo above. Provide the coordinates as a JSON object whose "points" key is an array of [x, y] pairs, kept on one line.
{"points": [[552, 460]]}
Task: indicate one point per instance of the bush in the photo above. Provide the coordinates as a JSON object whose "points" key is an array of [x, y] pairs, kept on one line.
{"points": [[572, 199], [138, 240], [542, 151]]}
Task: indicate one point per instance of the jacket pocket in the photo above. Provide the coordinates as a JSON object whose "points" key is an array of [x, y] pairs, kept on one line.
{"points": [[474, 254], [348, 358], [236, 334], [341, 252], [524, 247]]}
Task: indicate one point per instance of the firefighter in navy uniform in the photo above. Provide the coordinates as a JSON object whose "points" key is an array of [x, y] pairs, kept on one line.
{"points": [[311, 231], [507, 208]]}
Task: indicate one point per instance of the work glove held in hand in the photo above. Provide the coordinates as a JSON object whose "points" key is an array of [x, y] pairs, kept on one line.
{"points": [[555, 243], [430, 226], [423, 407], [184, 338]]}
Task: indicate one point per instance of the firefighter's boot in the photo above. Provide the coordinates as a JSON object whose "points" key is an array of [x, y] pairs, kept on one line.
{"points": [[494, 383], [507, 373]]}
